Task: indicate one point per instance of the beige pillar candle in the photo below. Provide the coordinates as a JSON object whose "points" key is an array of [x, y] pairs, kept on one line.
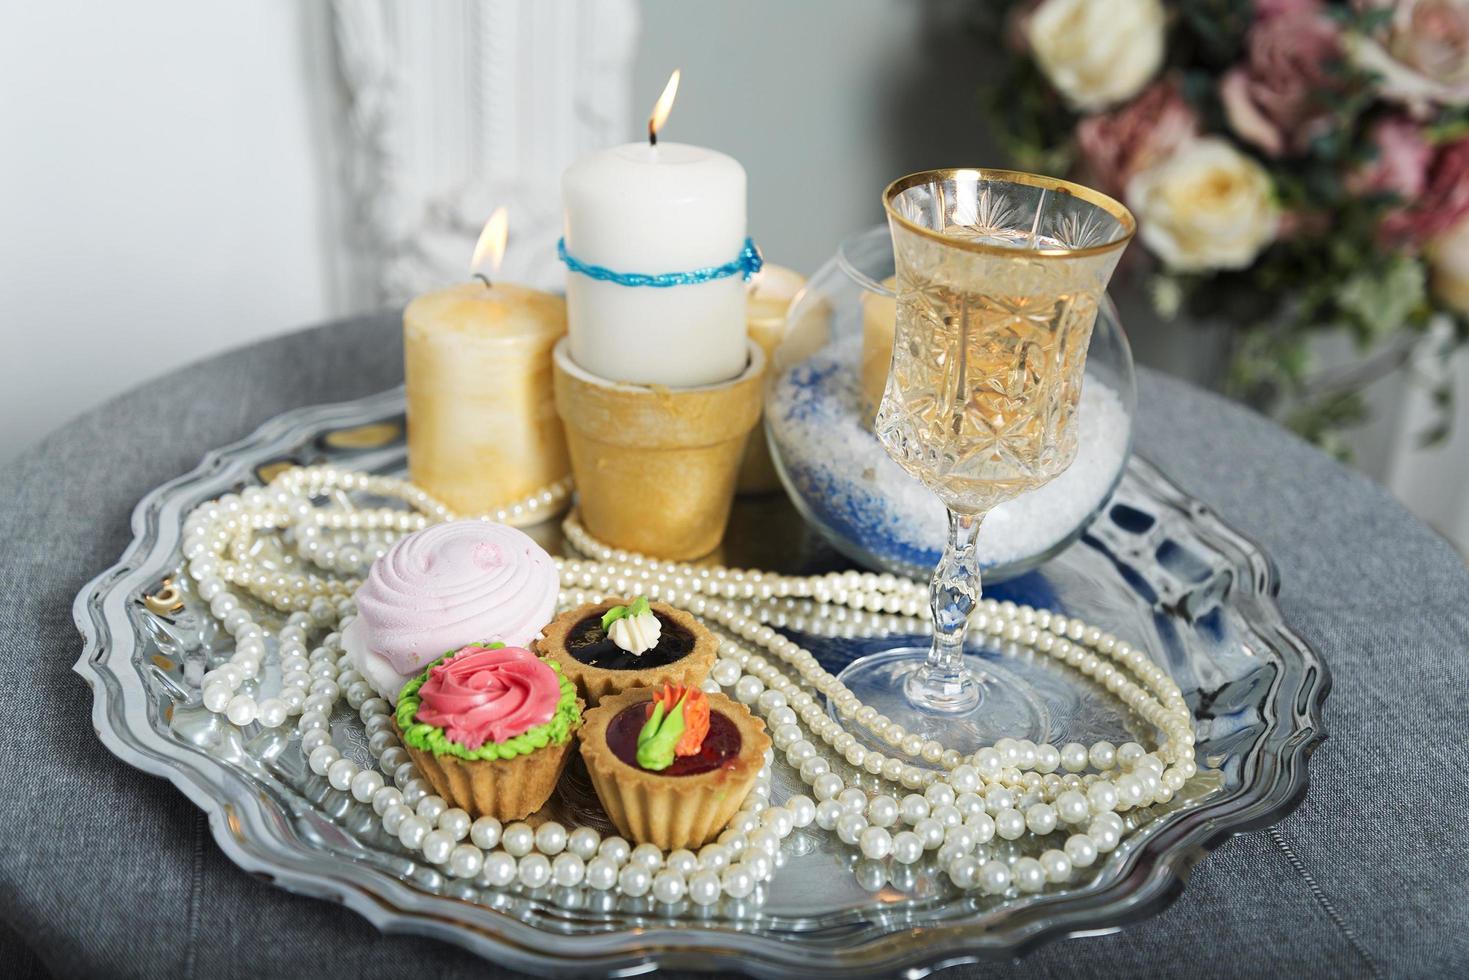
{"points": [[769, 298], [879, 315], [482, 423]]}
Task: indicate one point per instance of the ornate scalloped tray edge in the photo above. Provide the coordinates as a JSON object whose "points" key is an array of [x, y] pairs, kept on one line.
{"points": [[259, 835]]}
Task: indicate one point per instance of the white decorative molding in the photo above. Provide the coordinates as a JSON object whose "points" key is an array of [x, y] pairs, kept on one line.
{"points": [[455, 107]]}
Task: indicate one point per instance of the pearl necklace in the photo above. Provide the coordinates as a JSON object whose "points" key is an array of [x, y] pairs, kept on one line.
{"points": [[955, 806]]}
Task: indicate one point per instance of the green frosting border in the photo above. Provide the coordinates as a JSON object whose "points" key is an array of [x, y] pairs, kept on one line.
{"points": [[430, 738]]}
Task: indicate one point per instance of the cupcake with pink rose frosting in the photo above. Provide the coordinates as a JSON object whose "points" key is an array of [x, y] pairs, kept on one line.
{"points": [[441, 588], [490, 727]]}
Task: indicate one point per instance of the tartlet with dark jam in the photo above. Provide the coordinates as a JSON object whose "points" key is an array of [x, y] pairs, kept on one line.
{"points": [[582, 645], [672, 766]]}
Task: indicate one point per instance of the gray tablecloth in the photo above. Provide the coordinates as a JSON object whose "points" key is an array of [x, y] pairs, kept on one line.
{"points": [[106, 871]]}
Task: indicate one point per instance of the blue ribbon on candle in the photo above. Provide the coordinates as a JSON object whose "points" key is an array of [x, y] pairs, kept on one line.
{"points": [[745, 265]]}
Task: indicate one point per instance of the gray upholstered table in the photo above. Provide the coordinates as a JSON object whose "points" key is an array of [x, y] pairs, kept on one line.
{"points": [[106, 871]]}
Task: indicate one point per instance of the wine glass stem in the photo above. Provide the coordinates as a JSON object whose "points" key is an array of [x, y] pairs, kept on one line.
{"points": [[943, 684]]}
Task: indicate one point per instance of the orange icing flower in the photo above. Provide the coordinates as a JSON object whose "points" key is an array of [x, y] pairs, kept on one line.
{"points": [[695, 715]]}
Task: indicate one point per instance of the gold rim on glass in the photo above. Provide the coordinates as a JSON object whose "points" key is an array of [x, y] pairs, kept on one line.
{"points": [[1094, 197]]}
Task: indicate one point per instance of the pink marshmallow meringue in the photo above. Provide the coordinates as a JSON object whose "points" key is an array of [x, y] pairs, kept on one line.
{"points": [[442, 588]]}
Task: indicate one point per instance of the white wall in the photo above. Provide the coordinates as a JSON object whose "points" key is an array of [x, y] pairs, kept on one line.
{"points": [[823, 101], [159, 193]]}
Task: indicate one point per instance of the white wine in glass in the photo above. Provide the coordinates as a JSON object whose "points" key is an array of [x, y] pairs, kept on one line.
{"points": [[999, 279]]}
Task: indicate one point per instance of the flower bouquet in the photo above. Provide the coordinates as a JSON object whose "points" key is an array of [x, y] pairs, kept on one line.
{"points": [[1297, 168]]}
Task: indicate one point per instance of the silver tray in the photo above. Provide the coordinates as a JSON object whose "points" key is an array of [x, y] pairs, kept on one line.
{"points": [[1156, 568]]}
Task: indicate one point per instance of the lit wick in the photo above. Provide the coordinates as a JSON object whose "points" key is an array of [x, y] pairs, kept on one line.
{"points": [[491, 246], [662, 107]]}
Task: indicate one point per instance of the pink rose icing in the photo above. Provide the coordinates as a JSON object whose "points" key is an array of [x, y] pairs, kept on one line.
{"points": [[481, 695], [445, 586]]}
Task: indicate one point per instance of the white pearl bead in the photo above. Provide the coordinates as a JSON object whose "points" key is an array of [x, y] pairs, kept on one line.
{"points": [[828, 812], [341, 773], [930, 831], [668, 887], [437, 846], [431, 807], [1073, 757], [635, 880], [914, 808], [1081, 849], [615, 849], [1072, 807], [875, 843], [1041, 818], [551, 838], [322, 758], [907, 847], [465, 861], [217, 697], [1028, 874], [535, 870], [455, 822], [568, 870], [1104, 836], [802, 810], [412, 831], [983, 827], [394, 816], [1103, 755], [241, 710], [850, 826], [601, 873], [826, 786], [963, 871], [1010, 823], [385, 797], [1057, 866], [485, 832], [964, 779], [583, 842], [518, 839], [1102, 796], [993, 877], [704, 888], [500, 869], [647, 855], [738, 881]]}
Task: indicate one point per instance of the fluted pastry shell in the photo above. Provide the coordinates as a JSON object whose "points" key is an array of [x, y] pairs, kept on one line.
{"points": [[671, 811], [506, 789], [596, 683]]}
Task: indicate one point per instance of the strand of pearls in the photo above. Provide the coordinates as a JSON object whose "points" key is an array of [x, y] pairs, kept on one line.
{"points": [[956, 807]]}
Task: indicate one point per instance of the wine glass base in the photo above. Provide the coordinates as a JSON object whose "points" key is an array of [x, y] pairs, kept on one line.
{"points": [[1007, 706]]}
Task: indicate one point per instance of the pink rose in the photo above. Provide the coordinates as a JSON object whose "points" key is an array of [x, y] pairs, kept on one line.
{"points": [[1443, 202], [1271, 99], [1116, 145], [1401, 165], [1422, 56]]}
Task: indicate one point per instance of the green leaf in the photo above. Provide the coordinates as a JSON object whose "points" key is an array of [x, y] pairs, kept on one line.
{"points": [[1381, 300], [612, 615]]}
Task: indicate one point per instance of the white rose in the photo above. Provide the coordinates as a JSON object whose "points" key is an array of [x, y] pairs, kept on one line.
{"points": [[1208, 206], [1097, 52], [1448, 257]]}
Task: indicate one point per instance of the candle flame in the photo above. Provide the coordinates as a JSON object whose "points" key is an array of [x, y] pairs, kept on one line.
{"points": [[491, 244], [662, 107]]}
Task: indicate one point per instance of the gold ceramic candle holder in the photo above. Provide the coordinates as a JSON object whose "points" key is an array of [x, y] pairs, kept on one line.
{"points": [[655, 467]]}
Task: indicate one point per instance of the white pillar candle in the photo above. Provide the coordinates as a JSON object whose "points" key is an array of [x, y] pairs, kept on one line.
{"points": [[652, 210]]}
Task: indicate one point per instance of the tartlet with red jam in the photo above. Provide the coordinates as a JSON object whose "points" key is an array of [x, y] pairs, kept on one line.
{"points": [[618, 645], [672, 766]]}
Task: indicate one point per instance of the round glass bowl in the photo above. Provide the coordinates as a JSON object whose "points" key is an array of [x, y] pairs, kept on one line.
{"points": [[825, 381]]}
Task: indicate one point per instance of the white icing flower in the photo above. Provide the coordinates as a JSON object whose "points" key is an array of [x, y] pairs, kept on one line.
{"points": [[636, 634], [1097, 52]]}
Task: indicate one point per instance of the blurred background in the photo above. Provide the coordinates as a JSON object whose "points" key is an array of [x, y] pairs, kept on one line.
{"points": [[180, 178]]}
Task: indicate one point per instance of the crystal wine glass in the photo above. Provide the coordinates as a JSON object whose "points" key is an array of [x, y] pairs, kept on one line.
{"points": [[999, 278]]}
